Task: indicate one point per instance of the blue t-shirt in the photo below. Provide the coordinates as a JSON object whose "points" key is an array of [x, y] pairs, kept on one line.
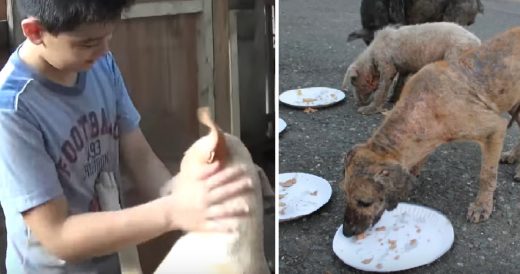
{"points": [[55, 140]]}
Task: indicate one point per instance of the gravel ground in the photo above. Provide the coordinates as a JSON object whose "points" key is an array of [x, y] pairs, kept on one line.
{"points": [[314, 52]]}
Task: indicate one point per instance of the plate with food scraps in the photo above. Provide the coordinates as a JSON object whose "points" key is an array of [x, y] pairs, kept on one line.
{"points": [[312, 97], [301, 194], [281, 125], [406, 237]]}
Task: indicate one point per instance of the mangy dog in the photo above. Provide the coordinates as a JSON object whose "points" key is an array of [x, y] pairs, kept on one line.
{"points": [[443, 102], [404, 50], [212, 253]]}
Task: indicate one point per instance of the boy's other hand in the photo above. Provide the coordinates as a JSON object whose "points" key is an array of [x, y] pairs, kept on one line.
{"points": [[198, 201]]}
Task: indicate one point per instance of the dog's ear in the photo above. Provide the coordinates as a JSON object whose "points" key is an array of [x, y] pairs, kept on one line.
{"points": [[397, 183], [350, 154], [350, 77], [217, 148]]}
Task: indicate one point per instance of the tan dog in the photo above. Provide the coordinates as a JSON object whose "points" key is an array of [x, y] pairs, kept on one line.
{"points": [[402, 50], [443, 102], [212, 253]]}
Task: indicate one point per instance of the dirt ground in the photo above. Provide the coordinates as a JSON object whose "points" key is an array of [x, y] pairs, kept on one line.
{"points": [[314, 52]]}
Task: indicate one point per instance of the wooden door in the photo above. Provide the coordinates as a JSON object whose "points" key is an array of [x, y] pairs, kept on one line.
{"points": [[165, 52]]}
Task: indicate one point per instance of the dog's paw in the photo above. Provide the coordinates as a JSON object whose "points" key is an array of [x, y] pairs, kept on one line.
{"points": [[479, 212], [367, 110], [508, 157]]}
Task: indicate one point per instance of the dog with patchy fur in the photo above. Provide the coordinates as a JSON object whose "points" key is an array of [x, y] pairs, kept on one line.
{"points": [[402, 50], [222, 253], [443, 102]]}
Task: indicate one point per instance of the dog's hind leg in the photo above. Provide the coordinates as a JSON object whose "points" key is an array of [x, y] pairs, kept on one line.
{"points": [[513, 155], [510, 157], [491, 146], [398, 87]]}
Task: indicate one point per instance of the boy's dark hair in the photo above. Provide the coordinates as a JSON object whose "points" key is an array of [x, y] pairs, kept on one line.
{"points": [[65, 15]]}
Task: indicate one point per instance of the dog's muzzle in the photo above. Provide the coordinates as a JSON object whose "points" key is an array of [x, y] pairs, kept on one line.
{"points": [[354, 224]]}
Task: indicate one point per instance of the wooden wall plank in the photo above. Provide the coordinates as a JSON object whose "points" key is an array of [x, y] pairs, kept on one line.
{"points": [[205, 61], [234, 97], [157, 57], [3, 9], [14, 19], [221, 63], [162, 8]]}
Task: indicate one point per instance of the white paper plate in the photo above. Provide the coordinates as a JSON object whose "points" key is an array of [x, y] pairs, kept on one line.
{"points": [[306, 194], [421, 236], [312, 97], [281, 125]]}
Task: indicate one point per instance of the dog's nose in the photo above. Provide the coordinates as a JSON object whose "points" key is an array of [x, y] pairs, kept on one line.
{"points": [[349, 230]]}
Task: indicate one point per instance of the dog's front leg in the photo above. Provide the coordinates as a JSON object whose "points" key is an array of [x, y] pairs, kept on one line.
{"points": [[388, 72], [491, 146]]}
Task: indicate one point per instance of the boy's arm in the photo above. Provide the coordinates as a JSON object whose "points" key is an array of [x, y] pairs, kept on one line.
{"points": [[82, 236]]}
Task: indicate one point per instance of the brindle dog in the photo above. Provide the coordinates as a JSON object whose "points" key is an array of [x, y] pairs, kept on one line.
{"points": [[443, 102]]}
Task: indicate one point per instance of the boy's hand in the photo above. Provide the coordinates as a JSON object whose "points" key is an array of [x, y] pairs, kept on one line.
{"points": [[196, 201]]}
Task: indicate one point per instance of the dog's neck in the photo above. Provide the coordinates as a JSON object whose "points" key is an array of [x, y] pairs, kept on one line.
{"points": [[399, 140]]}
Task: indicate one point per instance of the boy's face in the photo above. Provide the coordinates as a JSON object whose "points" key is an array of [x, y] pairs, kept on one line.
{"points": [[77, 50]]}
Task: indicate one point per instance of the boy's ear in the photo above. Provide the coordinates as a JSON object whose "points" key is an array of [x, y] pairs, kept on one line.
{"points": [[217, 145], [33, 30]]}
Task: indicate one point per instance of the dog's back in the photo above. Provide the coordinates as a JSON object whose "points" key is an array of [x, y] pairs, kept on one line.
{"points": [[412, 47], [493, 70], [219, 253], [486, 76]]}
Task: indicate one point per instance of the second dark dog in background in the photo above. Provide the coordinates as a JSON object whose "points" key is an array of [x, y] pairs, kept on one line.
{"points": [[376, 14]]}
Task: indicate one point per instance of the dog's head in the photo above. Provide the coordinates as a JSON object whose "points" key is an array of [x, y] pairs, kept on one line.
{"points": [[371, 186], [209, 148], [363, 80]]}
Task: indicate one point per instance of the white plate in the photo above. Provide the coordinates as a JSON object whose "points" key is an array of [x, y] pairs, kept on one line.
{"points": [[307, 194], [432, 232], [281, 125], [312, 97]]}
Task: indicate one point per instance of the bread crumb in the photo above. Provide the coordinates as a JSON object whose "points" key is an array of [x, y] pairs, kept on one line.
{"points": [[308, 100], [367, 261], [310, 110], [381, 228], [361, 236], [314, 193], [379, 266], [288, 183], [413, 242], [392, 243]]}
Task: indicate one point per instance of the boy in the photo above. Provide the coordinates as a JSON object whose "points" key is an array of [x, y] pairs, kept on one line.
{"points": [[65, 117]]}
